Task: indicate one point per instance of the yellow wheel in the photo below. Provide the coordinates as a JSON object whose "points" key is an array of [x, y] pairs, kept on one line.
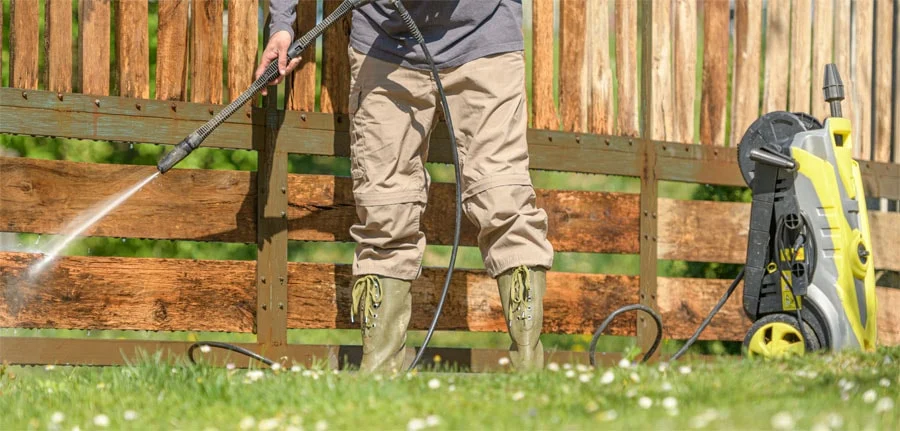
{"points": [[778, 336]]}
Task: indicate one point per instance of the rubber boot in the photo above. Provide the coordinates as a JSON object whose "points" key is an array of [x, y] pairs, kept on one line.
{"points": [[522, 295], [383, 306]]}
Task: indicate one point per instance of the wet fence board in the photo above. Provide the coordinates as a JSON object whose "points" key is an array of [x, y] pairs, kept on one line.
{"points": [[133, 49], [23, 40], [58, 45], [152, 294], [243, 34], [172, 50], [206, 51], [93, 46]]}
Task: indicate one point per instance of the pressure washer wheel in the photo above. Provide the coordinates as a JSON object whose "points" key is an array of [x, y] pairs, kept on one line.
{"points": [[778, 335], [775, 128]]}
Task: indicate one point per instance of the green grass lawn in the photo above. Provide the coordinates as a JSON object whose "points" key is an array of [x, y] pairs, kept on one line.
{"points": [[822, 392]]}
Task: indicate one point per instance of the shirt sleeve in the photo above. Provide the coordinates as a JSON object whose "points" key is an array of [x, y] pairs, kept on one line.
{"points": [[283, 13]]}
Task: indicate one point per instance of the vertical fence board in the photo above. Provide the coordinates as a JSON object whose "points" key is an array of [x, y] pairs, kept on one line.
{"points": [[572, 65], [171, 50], [862, 78], [884, 29], [301, 85], [93, 46], [601, 109], [843, 35], [823, 43], [543, 104], [243, 39], [335, 64], [663, 103], [1, 43], [745, 92], [58, 45], [897, 90], [133, 49], [626, 67], [778, 21], [23, 44], [206, 51], [713, 104], [801, 55], [685, 69]]}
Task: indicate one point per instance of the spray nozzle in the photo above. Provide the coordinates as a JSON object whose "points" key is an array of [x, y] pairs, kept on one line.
{"points": [[181, 150]]}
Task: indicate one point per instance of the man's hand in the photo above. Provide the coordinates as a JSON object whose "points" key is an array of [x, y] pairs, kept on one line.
{"points": [[277, 50]]}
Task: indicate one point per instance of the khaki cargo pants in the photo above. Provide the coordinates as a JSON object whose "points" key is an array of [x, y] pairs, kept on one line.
{"points": [[393, 111]]}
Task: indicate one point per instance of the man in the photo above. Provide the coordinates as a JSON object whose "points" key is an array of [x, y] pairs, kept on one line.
{"points": [[479, 49]]}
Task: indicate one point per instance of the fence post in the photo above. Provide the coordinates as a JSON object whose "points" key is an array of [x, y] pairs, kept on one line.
{"points": [[646, 330], [272, 238]]}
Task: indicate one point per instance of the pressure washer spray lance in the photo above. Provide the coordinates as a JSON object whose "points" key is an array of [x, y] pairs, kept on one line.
{"points": [[192, 141]]}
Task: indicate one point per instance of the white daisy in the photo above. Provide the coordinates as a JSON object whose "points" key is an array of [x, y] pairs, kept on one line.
{"points": [[884, 405], [101, 421], [57, 417], [607, 377], [518, 396], [670, 403], [129, 415], [434, 383], [645, 402], [415, 424], [870, 396], [247, 422], [553, 366], [783, 421], [432, 420]]}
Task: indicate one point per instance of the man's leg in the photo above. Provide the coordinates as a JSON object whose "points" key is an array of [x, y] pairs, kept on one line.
{"points": [[487, 100], [392, 112]]}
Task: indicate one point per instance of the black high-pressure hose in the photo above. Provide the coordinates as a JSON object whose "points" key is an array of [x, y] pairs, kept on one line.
{"points": [[194, 140]]}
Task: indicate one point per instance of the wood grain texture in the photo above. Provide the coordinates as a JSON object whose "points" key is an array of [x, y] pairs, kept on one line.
{"points": [[663, 103], [335, 97], [745, 92], [801, 55], [842, 41], [301, 85], [543, 104], [42, 196], [178, 294], [133, 49], [93, 46], [685, 67], [172, 50], [714, 100], [823, 50], [58, 45], [601, 109], [206, 51], [884, 74], [2, 83], [23, 44], [778, 46], [572, 67], [861, 80], [897, 96], [243, 41], [128, 293], [626, 68]]}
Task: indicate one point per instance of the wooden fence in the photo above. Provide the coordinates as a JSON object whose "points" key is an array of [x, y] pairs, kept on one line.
{"points": [[634, 100]]}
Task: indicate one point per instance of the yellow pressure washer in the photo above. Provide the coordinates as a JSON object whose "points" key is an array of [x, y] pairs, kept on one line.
{"points": [[809, 279]]}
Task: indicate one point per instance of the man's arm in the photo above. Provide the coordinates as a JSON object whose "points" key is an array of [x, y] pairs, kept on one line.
{"points": [[283, 13], [281, 33]]}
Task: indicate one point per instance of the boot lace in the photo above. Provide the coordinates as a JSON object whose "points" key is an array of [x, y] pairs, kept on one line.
{"points": [[520, 295], [366, 292]]}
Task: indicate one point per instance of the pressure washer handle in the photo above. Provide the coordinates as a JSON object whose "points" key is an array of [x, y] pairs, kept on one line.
{"points": [[192, 141]]}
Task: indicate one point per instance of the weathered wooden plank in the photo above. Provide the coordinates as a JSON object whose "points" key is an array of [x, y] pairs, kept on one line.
{"points": [[706, 231], [171, 50], [714, 103], [884, 73], [175, 294], [801, 55], [897, 96], [842, 41], [745, 92], [663, 103], [133, 49], [58, 45], [243, 40], [778, 29], [23, 43], [301, 85], [206, 51], [128, 293], [93, 46], [335, 95], [42, 196], [543, 104], [823, 50], [572, 67], [861, 79], [601, 110], [626, 68], [685, 69], [1, 45]]}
